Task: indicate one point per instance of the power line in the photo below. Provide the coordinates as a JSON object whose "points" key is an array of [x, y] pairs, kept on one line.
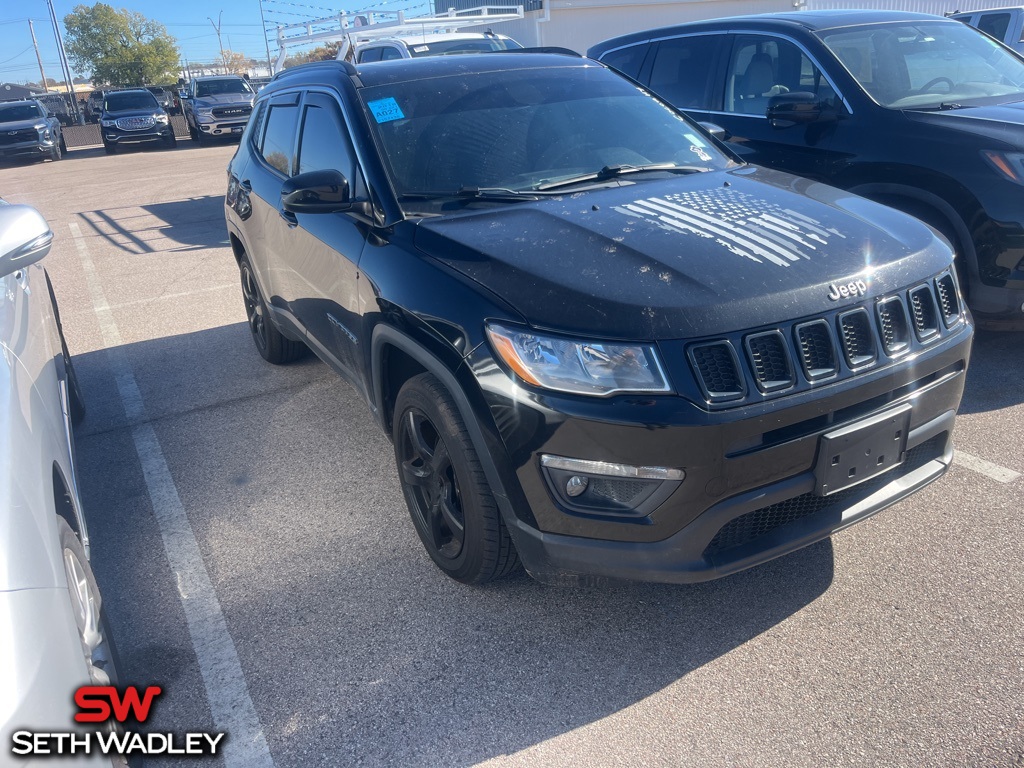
{"points": [[5, 61]]}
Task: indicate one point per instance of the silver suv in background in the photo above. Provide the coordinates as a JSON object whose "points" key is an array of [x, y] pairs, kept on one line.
{"points": [[217, 106], [442, 44]]}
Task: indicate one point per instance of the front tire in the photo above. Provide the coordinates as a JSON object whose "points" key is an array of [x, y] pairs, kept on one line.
{"points": [[449, 499], [273, 346], [171, 141], [109, 148]]}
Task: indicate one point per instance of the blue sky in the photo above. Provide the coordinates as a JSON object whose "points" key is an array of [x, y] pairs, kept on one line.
{"points": [[186, 20]]}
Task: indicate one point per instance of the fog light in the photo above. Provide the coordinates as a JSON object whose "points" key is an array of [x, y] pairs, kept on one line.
{"points": [[576, 485]]}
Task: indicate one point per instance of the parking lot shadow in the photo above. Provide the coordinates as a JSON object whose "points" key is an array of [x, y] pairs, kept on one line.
{"points": [[996, 372], [352, 643], [194, 223]]}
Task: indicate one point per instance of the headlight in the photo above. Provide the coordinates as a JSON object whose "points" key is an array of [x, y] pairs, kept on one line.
{"points": [[160, 118], [207, 111], [576, 366], [107, 123], [1009, 164]]}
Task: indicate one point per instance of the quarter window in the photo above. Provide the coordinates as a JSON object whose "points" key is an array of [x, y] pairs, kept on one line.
{"points": [[278, 147], [627, 60], [683, 68]]}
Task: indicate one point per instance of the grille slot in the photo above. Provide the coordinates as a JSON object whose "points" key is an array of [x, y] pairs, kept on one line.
{"points": [[754, 525], [817, 352], [134, 123], [924, 312], [894, 326], [718, 370], [223, 112], [770, 362], [949, 302], [857, 338]]}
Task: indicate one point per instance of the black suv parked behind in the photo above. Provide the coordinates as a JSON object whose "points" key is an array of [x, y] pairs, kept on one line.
{"points": [[600, 342], [134, 117], [919, 112]]}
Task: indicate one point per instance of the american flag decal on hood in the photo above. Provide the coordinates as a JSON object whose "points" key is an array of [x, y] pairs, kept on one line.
{"points": [[743, 224]]}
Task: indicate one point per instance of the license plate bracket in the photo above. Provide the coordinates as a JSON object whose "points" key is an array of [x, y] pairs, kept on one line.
{"points": [[862, 450]]}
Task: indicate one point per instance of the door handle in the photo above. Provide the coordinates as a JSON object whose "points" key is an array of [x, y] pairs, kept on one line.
{"points": [[289, 217]]}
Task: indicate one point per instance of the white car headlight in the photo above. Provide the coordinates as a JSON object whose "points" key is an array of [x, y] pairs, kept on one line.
{"points": [[160, 118], [577, 366], [107, 123], [205, 111]]}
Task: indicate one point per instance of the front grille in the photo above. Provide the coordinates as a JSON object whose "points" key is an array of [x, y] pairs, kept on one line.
{"points": [[621, 491], [227, 112], [949, 302], [754, 525], [769, 360], [792, 358], [817, 354], [924, 313], [858, 340], [135, 123], [16, 137], [894, 326], [718, 370]]}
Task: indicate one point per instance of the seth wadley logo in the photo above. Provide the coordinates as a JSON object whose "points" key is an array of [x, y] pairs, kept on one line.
{"points": [[104, 704]]}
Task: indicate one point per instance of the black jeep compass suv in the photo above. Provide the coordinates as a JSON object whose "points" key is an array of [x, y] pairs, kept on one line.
{"points": [[601, 344]]}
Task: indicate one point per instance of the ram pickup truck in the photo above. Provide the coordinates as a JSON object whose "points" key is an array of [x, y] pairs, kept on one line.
{"points": [[217, 106]]}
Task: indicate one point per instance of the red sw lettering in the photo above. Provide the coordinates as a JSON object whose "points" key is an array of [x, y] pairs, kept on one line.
{"points": [[97, 702]]}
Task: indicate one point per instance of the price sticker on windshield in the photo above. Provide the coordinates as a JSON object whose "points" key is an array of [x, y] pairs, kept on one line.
{"points": [[385, 110]]}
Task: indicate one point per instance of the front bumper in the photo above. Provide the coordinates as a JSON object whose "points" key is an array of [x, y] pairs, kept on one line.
{"points": [[749, 491], [27, 149], [117, 136], [224, 127]]}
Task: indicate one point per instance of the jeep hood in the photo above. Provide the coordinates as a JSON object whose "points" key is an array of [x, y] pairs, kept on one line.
{"points": [[685, 256]]}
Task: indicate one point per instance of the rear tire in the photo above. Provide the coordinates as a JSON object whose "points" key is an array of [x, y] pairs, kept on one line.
{"points": [[273, 346], [449, 498]]}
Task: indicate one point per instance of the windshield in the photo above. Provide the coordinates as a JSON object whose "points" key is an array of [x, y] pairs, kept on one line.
{"points": [[18, 112], [118, 102], [478, 45], [218, 87], [928, 65], [522, 131]]}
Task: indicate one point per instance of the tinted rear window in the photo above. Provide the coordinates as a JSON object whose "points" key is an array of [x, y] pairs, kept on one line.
{"points": [[682, 70]]}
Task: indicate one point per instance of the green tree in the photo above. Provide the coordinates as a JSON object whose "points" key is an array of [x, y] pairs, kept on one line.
{"points": [[120, 47], [325, 52]]}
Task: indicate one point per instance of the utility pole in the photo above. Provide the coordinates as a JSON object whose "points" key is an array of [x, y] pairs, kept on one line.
{"points": [[65, 67], [266, 42], [220, 44], [42, 74]]}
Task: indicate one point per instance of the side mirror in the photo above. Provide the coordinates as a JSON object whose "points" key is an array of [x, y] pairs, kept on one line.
{"points": [[788, 109], [316, 192], [25, 237], [716, 131]]}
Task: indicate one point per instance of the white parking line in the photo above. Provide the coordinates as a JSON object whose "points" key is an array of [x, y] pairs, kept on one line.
{"points": [[226, 691], [987, 468]]}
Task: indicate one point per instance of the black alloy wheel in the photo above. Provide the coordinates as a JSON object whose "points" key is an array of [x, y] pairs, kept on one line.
{"points": [[449, 499], [273, 346]]}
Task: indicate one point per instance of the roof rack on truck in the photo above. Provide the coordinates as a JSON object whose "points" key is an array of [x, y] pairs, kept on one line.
{"points": [[350, 29]]}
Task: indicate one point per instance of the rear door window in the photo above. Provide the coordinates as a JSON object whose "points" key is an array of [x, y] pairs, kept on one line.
{"points": [[683, 70], [370, 55], [994, 24], [278, 147], [390, 53]]}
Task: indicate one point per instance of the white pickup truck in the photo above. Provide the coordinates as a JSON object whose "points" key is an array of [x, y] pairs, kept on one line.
{"points": [[1004, 24]]}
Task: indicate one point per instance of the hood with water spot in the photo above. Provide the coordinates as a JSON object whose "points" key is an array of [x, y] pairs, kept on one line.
{"points": [[685, 257]]}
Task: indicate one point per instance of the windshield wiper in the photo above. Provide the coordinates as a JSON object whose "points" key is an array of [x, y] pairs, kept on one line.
{"points": [[613, 171], [493, 193]]}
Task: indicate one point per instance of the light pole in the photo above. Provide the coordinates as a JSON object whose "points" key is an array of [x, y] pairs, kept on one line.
{"points": [[266, 42], [65, 67], [220, 44]]}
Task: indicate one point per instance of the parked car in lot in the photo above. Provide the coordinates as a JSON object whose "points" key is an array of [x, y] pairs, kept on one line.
{"points": [[601, 343], [94, 106], [53, 636], [28, 130], [216, 106], [1004, 24], [57, 104], [134, 117], [163, 98], [915, 111]]}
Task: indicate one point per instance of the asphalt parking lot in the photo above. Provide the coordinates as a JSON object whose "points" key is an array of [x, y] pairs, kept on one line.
{"points": [[258, 561]]}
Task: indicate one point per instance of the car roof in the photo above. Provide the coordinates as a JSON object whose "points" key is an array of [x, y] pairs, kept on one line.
{"points": [[814, 21], [128, 90], [402, 70], [18, 101], [987, 10]]}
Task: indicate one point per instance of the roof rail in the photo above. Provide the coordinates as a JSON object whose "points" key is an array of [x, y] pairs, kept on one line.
{"points": [[350, 28], [346, 67]]}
